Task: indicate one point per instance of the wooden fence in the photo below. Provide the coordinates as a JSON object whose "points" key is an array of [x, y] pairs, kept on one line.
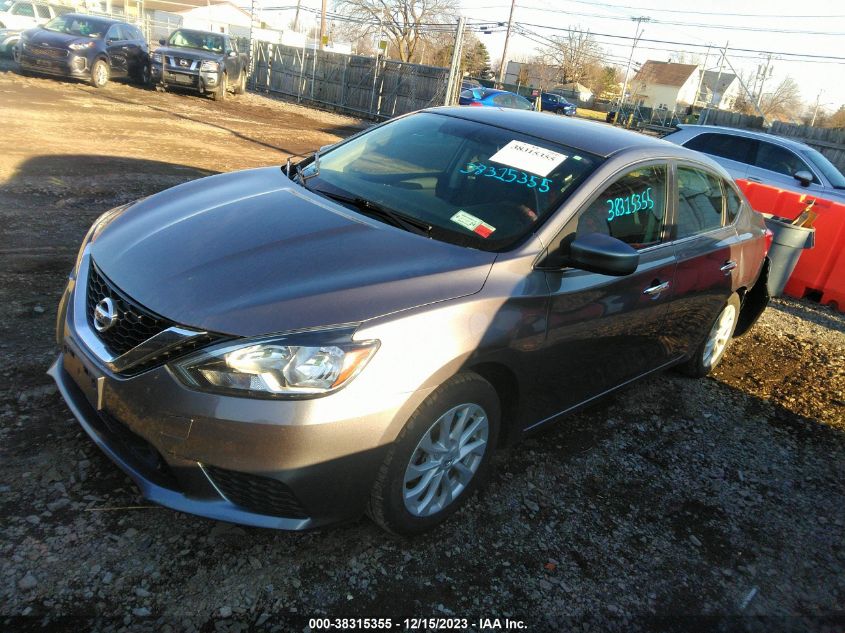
{"points": [[828, 141], [355, 84]]}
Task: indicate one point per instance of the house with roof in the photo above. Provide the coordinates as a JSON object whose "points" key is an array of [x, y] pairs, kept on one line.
{"points": [[719, 90], [665, 85]]}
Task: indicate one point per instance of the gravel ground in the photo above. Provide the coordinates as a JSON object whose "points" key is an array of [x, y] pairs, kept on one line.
{"points": [[676, 505]]}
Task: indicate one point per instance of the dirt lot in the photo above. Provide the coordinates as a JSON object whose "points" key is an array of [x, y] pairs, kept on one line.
{"points": [[677, 505]]}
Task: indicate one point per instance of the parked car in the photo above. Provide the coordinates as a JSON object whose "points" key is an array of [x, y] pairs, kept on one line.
{"points": [[86, 47], [290, 347], [765, 158], [469, 84], [550, 102], [21, 14], [207, 62], [494, 98]]}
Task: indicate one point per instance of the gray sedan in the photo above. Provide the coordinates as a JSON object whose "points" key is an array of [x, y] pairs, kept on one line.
{"points": [[291, 347]]}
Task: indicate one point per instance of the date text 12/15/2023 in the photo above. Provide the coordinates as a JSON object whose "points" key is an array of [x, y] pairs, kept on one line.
{"points": [[416, 624]]}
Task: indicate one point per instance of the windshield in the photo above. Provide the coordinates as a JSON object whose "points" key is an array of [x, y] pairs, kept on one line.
{"points": [[475, 184], [830, 172], [5, 5], [197, 39], [77, 25]]}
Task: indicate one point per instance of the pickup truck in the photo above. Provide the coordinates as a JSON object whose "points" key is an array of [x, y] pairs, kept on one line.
{"points": [[207, 62]]}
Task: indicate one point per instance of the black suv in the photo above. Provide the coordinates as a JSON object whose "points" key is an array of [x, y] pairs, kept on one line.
{"points": [[207, 62], [86, 47]]}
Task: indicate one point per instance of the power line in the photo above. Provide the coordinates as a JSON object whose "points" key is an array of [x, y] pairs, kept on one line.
{"points": [[699, 25], [688, 11], [742, 50]]}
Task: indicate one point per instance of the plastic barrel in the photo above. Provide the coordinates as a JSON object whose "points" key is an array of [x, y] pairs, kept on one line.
{"points": [[787, 244]]}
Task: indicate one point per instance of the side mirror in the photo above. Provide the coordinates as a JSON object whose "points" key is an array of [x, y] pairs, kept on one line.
{"points": [[232, 54], [600, 253], [804, 177], [162, 41]]}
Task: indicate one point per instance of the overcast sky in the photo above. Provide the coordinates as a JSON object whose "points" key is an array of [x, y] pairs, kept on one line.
{"points": [[808, 28]]}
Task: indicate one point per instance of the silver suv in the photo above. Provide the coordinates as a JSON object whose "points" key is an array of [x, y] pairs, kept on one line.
{"points": [[763, 158]]}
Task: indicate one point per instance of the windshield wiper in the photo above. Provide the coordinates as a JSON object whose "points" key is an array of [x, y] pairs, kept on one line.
{"points": [[406, 222]]}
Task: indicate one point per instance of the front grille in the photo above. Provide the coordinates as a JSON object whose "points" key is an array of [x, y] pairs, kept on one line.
{"points": [[183, 63], [256, 493], [135, 323], [43, 51]]}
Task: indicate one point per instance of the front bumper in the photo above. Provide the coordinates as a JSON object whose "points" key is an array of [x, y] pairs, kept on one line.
{"points": [[192, 79], [70, 66], [287, 464]]}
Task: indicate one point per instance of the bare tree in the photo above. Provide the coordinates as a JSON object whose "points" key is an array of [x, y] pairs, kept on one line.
{"points": [[784, 102], [404, 23], [572, 54]]}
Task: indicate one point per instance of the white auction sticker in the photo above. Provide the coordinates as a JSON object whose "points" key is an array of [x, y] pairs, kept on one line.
{"points": [[474, 224], [527, 157]]}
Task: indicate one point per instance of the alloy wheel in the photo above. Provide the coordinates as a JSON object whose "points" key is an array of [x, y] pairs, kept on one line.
{"points": [[720, 335], [445, 460]]}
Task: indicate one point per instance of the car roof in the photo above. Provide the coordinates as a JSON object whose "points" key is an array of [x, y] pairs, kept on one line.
{"points": [[763, 136], [589, 136], [93, 18], [200, 31]]}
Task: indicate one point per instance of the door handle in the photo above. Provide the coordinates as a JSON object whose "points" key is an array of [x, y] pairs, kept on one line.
{"points": [[753, 179], [654, 291], [728, 267]]}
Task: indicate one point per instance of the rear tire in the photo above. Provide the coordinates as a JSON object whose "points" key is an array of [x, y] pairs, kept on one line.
{"points": [[440, 458], [99, 74], [220, 93], [712, 349]]}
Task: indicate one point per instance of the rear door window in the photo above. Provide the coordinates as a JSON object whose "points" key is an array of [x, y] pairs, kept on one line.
{"points": [[632, 209], [738, 148], [42, 11], [23, 8], [700, 202]]}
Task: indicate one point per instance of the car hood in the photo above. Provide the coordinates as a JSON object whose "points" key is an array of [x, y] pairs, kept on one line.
{"points": [[43, 37], [251, 253], [188, 53]]}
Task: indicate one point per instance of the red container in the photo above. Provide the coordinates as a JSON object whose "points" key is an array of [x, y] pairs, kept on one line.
{"points": [[819, 273]]}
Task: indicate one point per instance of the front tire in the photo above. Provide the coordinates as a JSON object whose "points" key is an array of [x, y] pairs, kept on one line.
{"points": [[99, 74], [718, 339], [220, 93], [241, 87], [439, 459]]}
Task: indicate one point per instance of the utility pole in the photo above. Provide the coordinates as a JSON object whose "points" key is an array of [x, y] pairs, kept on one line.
{"points": [[504, 63], [816, 109], [701, 78], [455, 67], [744, 87], [766, 71], [639, 20], [719, 76], [323, 24], [296, 15]]}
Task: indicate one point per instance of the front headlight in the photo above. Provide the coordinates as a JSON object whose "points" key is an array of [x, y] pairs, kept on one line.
{"points": [[209, 66], [157, 58], [80, 46], [305, 365]]}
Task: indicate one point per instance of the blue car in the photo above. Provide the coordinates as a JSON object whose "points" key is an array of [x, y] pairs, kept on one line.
{"points": [[494, 98], [86, 47], [557, 104]]}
